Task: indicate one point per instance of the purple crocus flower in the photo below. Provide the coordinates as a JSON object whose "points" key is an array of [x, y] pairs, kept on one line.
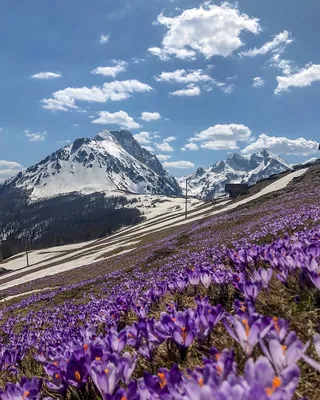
{"points": [[117, 341], [262, 379], [309, 360], [250, 289], [194, 277], [77, 373], [24, 390], [205, 278], [264, 276], [106, 375], [247, 332], [284, 355]]}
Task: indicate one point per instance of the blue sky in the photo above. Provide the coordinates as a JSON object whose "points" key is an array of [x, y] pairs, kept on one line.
{"points": [[193, 81]]}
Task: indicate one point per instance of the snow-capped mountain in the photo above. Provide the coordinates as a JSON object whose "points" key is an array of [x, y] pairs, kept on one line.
{"points": [[111, 161], [210, 182]]}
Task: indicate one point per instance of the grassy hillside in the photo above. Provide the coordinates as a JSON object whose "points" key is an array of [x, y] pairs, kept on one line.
{"points": [[227, 308]]}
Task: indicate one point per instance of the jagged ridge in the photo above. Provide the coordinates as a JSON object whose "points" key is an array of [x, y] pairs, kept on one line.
{"points": [[210, 182], [111, 161]]}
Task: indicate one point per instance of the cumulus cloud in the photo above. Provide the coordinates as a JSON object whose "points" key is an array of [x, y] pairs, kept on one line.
{"points": [[190, 90], [280, 40], [113, 71], [9, 169], [150, 116], [282, 145], [149, 148], [305, 77], [46, 75], [120, 118], [221, 137], [65, 99], [190, 146], [209, 30], [170, 139], [164, 146], [163, 157], [178, 164], [286, 66], [143, 137], [36, 136], [191, 77], [257, 82], [104, 39], [184, 76]]}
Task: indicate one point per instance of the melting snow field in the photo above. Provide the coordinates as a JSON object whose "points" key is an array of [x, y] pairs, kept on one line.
{"points": [[167, 213]]}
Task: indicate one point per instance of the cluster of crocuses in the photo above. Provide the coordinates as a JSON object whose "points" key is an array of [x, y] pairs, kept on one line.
{"points": [[91, 351]]}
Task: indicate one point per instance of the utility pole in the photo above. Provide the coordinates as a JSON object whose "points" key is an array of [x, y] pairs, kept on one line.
{"points": [[28, 248], [186, 210], [27, 252]]}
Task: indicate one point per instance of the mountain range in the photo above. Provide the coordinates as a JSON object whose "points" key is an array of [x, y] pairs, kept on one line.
{"points": [[111, 161], [210, 182]]}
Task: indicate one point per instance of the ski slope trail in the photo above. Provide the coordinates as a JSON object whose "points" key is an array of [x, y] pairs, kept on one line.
{"points": [[61, 259]]}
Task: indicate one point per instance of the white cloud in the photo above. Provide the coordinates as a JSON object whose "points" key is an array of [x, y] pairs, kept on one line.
{"points": [[163, 157], [150, 116], [76, 125], [120, 118], [65, 99], [104, 39], [282, 145], [1, 129], [149, 148], [222, 137], [136, 60], [183, 76], [220, 145], [143, 137], [286, 66], [178, 164], [210, 30], [164, 146], [9, 169], [257, 82], [305, 77], [36, 136], [190, 90], [191, 146], [65, 141], [191, 77], [119, 66], [46, 75], [170, 139], [280, 40]]}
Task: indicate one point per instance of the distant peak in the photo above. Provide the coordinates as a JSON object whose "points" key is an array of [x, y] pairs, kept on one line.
{"points": [[103, 135]]}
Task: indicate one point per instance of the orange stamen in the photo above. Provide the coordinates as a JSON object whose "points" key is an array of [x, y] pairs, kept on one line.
{"points": [[184, 334], [163, 381], [57, 376], [98, 358], [78, 376], [106, 371], [200, 381], [246, 325], [25, 394], [85, 347], [219, 369], [275, 321], [276, 382]]}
